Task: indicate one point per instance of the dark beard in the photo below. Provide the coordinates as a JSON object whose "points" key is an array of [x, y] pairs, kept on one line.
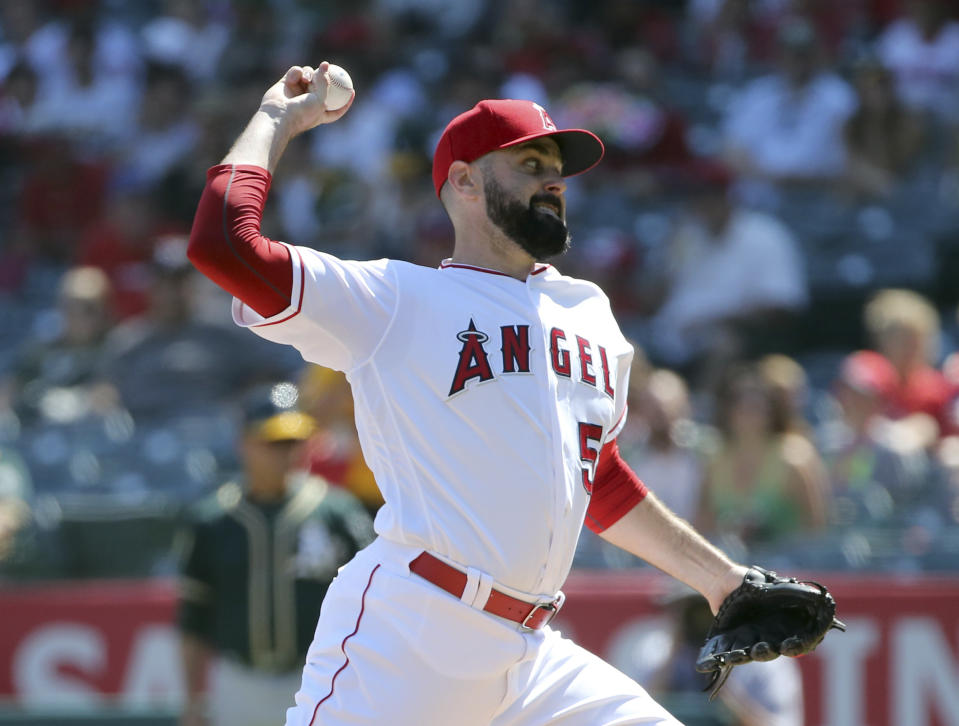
{"points": [[541, 235]]}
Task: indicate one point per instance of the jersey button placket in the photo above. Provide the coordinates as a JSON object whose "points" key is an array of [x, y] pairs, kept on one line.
{"points": [[552, 404]]}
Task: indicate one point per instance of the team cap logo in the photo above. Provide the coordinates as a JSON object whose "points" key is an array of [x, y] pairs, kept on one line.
{"points": [[500, 123]]}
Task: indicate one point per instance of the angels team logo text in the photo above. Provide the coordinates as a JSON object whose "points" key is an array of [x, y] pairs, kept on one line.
{"points": [[582, 358], [547, 121]]}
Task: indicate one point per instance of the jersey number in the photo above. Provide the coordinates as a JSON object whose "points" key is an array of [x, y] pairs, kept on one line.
{"points": [[589, 454]]}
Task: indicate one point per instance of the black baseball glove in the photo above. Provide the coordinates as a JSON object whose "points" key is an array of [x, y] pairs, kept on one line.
{"points": [[765, 617]]}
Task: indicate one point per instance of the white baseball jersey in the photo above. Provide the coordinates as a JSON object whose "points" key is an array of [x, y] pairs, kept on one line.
{"points": [[481, 400]]}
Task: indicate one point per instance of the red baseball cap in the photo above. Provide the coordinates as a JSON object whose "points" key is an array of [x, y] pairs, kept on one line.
{"points": [[498, 124], [869, 372]]}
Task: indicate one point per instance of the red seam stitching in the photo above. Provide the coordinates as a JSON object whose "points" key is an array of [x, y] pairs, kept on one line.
{"points": [[343, 646]]}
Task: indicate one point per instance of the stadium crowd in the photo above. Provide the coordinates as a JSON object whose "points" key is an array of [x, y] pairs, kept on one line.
{"points": [[776, 223]]}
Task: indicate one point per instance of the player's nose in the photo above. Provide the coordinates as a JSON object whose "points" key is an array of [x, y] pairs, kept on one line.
{"points": [[555, 184]]}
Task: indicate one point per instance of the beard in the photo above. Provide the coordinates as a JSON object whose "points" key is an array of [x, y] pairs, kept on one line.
{"points": [[537, 232]]}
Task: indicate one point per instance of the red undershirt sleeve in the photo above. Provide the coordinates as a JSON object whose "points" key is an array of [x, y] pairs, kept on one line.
{"points": [[616, 489], [226, 244]]}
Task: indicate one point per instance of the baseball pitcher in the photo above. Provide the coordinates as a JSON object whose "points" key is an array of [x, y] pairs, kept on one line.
{"points": [[489, 392]]}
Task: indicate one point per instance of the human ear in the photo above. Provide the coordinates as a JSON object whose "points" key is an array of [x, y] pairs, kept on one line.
{"points": [[464, 179]]}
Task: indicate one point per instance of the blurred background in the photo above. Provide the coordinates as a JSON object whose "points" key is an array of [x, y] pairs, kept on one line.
{"points": [[776, 223]]}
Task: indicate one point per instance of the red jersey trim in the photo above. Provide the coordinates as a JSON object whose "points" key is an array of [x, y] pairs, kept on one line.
{"points": [[617, 427], [299, 302], [616, 490], [359, 618], [447, 265]]}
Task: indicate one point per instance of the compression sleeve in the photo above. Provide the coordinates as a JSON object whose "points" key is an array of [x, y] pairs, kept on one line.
{"points": [[226, 244], [616, 489]]}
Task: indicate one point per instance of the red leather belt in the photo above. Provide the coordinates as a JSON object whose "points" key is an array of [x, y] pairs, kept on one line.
{"points": [[532, 616]]}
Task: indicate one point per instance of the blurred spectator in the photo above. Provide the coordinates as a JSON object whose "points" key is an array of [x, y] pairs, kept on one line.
{"points": [[165, 131], [756, 694], [20, 25], [788, 388], [257, 559], [407, 219], [922, 51], [60, 195], [762, 484], [876, 478], [434, 17], [166, 363], [838, 25], [333, 450], [644, 135], [251, 51], [611, 257], [121, 242], [883, 137], [731, 38], [18, 101], [904, 327], [298, 195], [534, 39], [731, 274], [786, 128], [950, 369], [83, 100], [624, 23], [215, 117], [737, 38], [49, 373], [28, 545], [185, 34], [661, 442], [325, 203], [363, 143]]}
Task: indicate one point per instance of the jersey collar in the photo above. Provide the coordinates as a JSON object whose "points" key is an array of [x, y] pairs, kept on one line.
{"points": [[448, 264]]}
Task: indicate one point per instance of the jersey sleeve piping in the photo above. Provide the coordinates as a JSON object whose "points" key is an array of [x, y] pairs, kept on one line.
{"points": [[618, 426], [298, 294]]}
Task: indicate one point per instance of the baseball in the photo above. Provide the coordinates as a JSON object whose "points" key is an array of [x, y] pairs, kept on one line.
{"points": [[340, 87]]}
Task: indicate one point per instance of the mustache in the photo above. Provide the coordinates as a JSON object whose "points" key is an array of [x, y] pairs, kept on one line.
{"points": [[546, 198]]}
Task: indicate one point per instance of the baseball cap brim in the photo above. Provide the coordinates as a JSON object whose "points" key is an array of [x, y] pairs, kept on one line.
{"points": [[868, 373], [286, 426], [581, 149], [497, 124]]}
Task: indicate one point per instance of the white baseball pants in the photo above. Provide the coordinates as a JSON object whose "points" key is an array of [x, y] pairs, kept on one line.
{"points": [[392, 648]]}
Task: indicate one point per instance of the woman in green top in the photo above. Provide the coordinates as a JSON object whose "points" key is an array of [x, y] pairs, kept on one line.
{"points": [[763, 483]]}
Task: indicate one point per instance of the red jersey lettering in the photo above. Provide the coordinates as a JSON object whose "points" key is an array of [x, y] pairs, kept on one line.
{"points": [[515, 348], [560, 356], [473, 361], [604, 361], [585, 361]]}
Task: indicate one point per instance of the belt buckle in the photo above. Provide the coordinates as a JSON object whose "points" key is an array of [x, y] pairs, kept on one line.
{"points": [[552, 607]]}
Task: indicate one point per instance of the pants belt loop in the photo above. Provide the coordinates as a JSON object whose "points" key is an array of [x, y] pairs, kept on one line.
{"points": [[472, 585], [483, 591]]}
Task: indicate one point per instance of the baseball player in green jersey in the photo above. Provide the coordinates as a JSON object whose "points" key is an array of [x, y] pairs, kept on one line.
{"points": [[258, 556]]}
